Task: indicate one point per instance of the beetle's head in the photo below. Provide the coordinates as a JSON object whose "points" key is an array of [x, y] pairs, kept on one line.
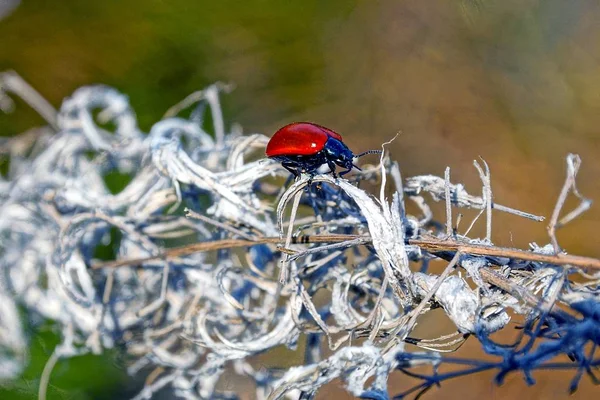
{"points": [[342, 156], [339, 153]]}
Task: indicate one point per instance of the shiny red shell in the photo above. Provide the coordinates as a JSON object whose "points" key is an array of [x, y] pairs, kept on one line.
{"points": [[299, 139]]}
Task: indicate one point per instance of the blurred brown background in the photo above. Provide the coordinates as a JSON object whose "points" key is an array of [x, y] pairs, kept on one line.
{"points": [[515, 82]]}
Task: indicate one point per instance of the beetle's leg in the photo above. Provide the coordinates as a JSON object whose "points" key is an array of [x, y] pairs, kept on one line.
{"points": [[289, 166], [348, 169], [332, 168]]}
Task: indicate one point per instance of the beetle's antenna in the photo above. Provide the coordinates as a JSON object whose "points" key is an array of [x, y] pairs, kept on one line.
{"points": [[364, 153]]}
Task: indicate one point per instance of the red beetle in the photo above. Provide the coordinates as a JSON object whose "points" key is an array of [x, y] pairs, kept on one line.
{"points": [[304, 147]]}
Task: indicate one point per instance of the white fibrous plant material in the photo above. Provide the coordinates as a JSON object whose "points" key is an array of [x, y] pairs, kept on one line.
{"points": [[319, 264]]}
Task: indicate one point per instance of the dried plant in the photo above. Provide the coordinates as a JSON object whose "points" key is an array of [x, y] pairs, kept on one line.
{"points": [[321, 263]]}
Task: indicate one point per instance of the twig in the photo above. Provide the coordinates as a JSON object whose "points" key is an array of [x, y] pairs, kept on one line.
{"points": [[192, 214], [220, 245], [487, 197], [193, 98], [429, 245], [573, 164], [435, 186], [154, 305], [482, 250], [333, 246], [377, 305], [515, 290], [448, 202], [283, 273], [406, 329]]}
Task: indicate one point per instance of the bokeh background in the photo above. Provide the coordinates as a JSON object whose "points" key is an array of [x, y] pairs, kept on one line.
{"points": [[516, 82]]}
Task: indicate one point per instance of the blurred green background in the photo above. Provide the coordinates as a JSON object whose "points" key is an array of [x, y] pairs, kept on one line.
{"points": [[515, 82]]}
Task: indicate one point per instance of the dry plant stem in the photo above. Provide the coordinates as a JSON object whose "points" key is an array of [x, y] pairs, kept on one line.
{"points": [[425, 300], [516, 212], [340, 245], [487, 197], [573, 164], [376, 311], [515, 290], [436, 187], [154, 305], [583, 207], [488, 189], [442, 343], [110, 278], [12, 82], [551, 295], [283, 273], [192, 214], [45, 378], [429, 245], [483, 250], [222, 244], [448, 203], [195, 98], [562, 197], [56, 211], [153, 375], [473, 222], [312, 310]]}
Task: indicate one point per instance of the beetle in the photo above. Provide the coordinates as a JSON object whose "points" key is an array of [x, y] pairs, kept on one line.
{"points": [[305, 147]]}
